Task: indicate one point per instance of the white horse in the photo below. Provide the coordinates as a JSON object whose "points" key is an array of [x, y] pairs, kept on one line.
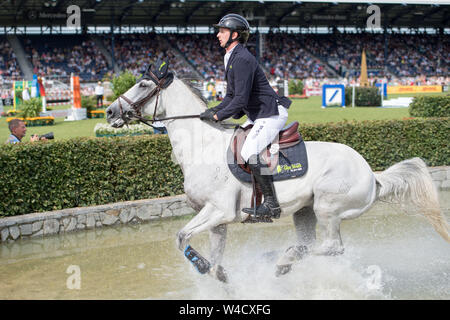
{"points": [[338, 185]]}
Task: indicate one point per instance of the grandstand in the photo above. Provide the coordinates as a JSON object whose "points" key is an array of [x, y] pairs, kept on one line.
{"points": [[292, 39]]}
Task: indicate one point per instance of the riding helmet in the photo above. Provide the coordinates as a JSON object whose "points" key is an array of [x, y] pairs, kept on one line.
{"points": [[237, 23]]}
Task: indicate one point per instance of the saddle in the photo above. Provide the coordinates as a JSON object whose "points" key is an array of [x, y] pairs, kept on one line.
{"points": [[287, 138], [288, 143]]}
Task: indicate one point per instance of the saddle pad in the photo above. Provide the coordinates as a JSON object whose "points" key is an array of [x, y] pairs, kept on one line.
{"points": [[292, 163]]}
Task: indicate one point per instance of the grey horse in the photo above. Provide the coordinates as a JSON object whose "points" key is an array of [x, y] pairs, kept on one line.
{"points": [[338, 185]]}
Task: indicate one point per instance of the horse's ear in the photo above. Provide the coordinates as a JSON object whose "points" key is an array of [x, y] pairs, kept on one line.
{"points": [[168, 80], [145, 82], [149, 68], [161, 68]]}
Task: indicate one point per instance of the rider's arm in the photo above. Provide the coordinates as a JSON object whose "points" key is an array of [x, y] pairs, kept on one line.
{"points": [[243, 81]]}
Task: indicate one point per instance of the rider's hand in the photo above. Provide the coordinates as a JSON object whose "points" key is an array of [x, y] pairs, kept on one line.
{"points": [[208, 115]]}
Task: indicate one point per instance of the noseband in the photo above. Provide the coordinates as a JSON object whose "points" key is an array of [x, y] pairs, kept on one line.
{"points": [[137, 106]]}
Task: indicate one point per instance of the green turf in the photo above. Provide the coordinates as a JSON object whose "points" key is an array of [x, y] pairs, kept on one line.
{"points": [[61, 129], [310, 111], [303, 110]]}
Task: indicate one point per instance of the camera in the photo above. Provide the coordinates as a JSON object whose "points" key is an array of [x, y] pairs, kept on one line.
{"points": [[48, 136]]}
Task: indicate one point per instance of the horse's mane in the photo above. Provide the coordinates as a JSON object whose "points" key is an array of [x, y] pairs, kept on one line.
{"points": [[195, 91], [199, 95]]}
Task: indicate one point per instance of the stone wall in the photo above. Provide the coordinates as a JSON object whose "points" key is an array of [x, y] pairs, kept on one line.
{"points": [[57, 222], [74, 219], [441, 177]]}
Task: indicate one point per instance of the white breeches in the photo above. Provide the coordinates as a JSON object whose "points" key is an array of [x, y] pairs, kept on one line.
{"points": [[263, 132]]}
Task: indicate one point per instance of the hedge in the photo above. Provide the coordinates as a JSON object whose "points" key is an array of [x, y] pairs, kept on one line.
{"points": [[54, 175], [47, 176], [364, 97], [427, 106], [385, 142]]}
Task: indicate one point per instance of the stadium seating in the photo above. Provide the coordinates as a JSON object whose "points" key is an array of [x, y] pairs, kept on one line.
{"points": [[289, 55], [8, 64], [202, 51], [134, 52], [57, 56]]}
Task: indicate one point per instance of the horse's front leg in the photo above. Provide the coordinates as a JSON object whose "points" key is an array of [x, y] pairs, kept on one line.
{"points": [[209, 218], [217, 239]]}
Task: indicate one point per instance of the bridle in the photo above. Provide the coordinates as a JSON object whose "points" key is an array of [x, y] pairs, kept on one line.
{"points": [[137, 106]]}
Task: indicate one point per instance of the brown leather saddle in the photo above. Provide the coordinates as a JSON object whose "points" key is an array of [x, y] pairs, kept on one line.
{"points": [[287, 137]]}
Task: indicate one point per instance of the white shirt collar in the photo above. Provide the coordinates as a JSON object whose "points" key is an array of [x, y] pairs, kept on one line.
{"points": [[227, 56]]}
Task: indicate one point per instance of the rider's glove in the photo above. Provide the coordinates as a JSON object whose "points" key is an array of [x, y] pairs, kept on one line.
{"points": [[208, 115]]}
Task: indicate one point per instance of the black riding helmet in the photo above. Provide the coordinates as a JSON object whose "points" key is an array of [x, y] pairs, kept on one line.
{"points": [[235, 23]]}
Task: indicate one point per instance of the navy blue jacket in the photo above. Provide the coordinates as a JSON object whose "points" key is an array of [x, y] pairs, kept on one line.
{"points": [[248, 90]]}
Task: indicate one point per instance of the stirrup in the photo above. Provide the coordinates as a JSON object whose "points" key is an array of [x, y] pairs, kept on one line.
{"points": [[269, 212]]}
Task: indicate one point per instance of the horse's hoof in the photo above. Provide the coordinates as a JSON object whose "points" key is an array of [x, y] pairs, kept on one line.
{"points": [[282, 270], [219, 273], [182, 240]]}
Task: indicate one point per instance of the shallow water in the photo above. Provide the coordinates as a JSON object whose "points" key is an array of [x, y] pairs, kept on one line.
{"points": [[388, 255]]}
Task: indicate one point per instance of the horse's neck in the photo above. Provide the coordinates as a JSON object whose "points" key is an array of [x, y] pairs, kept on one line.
{"points": [[194, 142]]}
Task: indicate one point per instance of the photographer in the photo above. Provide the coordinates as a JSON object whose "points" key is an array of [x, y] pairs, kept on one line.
{"points": [[18, 130]]}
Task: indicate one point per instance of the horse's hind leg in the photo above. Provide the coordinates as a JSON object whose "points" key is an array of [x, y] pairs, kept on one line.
{"points": [[305, 226], [332, 243], [328, 209]]}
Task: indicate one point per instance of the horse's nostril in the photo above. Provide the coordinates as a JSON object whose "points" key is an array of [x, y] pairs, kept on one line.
{"points": [[109, 112]]}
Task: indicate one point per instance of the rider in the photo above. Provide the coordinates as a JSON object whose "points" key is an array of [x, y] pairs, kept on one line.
{"points": [[249, 93]]}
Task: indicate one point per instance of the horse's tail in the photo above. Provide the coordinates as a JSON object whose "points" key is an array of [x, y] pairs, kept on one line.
{"points": [[410, 180]]}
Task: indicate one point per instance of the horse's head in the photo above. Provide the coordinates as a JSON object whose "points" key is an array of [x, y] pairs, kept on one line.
{"points": [[143, 95]]}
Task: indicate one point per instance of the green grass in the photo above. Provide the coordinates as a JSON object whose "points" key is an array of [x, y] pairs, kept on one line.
{"points": [[61, 129], [302, 110], [310, 111]]}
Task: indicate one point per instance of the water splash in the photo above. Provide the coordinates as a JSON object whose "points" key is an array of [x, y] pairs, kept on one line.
{"points": [[315, 277]]}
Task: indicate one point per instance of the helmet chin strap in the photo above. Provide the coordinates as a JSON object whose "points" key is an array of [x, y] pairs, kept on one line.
{"points": [[230, 40]]}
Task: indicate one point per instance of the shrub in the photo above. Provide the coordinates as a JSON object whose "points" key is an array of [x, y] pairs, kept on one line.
{"points": [[427, 106], [364, 97], [122, 84], [89, 102], [31, 108], [54, 175], [295, 87], [383, 143]]}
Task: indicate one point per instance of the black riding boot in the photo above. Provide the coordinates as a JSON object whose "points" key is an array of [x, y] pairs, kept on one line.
{"points": [[270, 206]]}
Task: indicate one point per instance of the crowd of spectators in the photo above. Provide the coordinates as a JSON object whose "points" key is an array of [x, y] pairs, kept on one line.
{"points": [[343, 52], [9, 67], [202, 51], [301, 56], [59, 56], [285, 56], [404, 55], [411, 55], [134, 52]]}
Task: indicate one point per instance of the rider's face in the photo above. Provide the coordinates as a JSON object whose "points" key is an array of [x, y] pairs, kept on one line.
{"points": [[223, 36]]}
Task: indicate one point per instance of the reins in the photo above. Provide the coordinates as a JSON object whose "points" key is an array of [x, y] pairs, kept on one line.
{"points": [[137, 106]]}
